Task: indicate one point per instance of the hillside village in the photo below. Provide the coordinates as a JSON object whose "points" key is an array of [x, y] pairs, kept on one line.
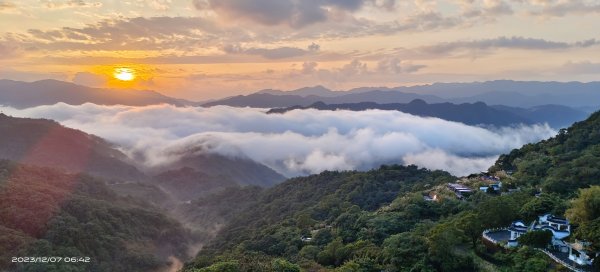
{"points": [[571, 253]]}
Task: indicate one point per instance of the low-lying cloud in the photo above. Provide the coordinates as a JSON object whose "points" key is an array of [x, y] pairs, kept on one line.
{"points": [[296, 143]]}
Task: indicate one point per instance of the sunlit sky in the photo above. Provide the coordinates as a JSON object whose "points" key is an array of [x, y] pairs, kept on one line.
{"points": [[205, 49]]}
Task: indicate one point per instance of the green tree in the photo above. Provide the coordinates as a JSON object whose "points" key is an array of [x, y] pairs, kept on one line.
{"points": [[443, 241], [539, 239], [322, 237], [335, 253], [527, 259], [281, 265], [363, 264], [228, 266], [497, 211], [586, 207], [585, 212], [471, 225], [310, 252], [304, 221], [402, 251]]}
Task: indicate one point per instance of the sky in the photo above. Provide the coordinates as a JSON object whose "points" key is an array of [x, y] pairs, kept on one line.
{"points": [[207, 49]]}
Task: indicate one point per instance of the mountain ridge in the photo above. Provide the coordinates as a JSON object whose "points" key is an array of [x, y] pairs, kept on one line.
{"points": [[468, 113], [21, 94], [580, 95], [505, 92]]}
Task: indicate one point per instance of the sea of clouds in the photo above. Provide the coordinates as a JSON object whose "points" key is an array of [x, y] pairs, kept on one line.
{"points": [[295, 143]]}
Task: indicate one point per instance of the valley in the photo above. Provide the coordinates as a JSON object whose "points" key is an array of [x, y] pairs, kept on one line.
{"points": [[193, 207]]}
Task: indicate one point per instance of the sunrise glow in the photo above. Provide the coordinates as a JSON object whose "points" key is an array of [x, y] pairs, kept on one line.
{"points": [[124, 74]]}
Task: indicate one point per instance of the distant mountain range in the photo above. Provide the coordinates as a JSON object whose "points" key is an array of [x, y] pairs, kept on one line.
{"points": [[20, 94], [269, 100], [523, 94], [556, 116], [501, 92], [471, 114], [506, 102]]}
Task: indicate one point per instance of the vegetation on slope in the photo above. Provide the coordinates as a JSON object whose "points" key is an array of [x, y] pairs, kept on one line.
{"points": [[45, 212], [562, 164], [380, 220], [47, 143]]}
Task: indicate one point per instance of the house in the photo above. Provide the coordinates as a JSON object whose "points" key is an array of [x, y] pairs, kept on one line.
{"points": [[579, 254], [459, 190], [560, 227], [431, 196], [516, 229], [490, 178], [306, 239], [495, 186]]}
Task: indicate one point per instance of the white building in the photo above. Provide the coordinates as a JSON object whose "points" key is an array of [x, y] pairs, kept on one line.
{"points": [[306, 239], [560, 227], [516, 229]]}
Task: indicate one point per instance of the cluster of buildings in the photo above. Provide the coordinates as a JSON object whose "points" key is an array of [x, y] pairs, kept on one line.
{"points": [[495, 186], [560, 229], [571, 254], [491, 183], [460, 190]]}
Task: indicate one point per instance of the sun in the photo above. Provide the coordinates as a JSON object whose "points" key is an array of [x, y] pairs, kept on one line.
{"points": [[124, 74]]}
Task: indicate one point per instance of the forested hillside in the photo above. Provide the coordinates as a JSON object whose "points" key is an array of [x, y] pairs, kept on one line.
{"points": [[46, 212], [384, 219], [562, 164], [47, 143]]}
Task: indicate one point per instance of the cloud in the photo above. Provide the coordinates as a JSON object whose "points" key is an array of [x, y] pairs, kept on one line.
{"points": [[70, 4], [396, 66], [161, 5], [438, 159], [8, 51], [309, 67], [185, 36], [584, 67], [354, 68], [295, 14], [314, 47], [564, 8], [296, 143], [505, 42], [271, 53], [140, 33], [497, 7], [4, 5], [90, 79]]}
